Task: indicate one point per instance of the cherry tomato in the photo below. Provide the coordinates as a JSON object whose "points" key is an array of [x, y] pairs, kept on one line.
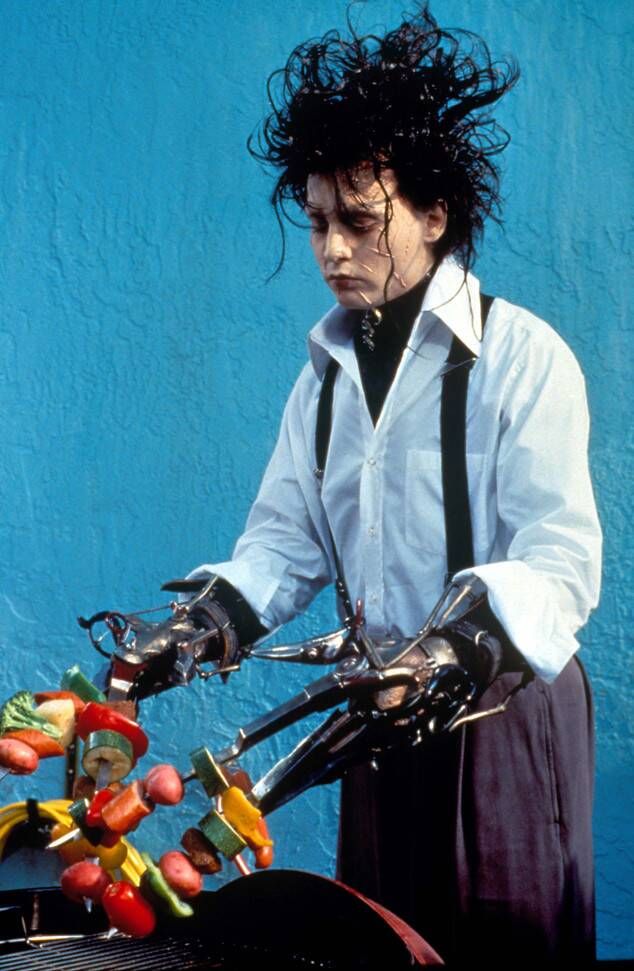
{"points": [[128, 910]]}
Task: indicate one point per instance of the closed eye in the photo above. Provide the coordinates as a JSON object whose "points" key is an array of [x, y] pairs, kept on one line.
{"points": [[358, 228], [361, 227]]}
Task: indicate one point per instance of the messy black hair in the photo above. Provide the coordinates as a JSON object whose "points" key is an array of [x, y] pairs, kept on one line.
{"points": [[414, 100]]}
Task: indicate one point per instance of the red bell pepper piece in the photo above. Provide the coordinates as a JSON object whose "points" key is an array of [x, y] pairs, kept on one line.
{"points": [[93, 813], [96, 717], [128, 910]]}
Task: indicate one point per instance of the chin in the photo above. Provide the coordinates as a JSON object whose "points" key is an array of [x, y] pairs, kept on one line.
{"points": [[352, 301]]}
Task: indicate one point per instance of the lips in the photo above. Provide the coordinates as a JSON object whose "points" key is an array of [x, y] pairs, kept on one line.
{"points": [[344, 282]]}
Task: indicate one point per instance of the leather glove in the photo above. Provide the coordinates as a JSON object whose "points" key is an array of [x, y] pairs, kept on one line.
{"points": [[201, 630], [455, 683]]}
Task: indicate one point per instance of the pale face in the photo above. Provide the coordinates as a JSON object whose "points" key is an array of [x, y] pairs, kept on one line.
{"points": [[350, 243]]}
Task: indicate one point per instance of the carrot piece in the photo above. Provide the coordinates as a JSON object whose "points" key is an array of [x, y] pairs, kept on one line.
{"points": [[263, 854], [125, 811], [45, 746]]}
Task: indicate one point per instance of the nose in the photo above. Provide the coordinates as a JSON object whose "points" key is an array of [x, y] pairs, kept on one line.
{"points": [[336, 247]]}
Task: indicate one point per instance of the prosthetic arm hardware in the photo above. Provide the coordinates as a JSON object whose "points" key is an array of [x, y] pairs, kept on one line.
{"points": [[150, 657], [391, 692]]}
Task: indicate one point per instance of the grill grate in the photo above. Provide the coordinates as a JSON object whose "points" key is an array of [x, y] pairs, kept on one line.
{"points": [[119, 953], [186, 954]]}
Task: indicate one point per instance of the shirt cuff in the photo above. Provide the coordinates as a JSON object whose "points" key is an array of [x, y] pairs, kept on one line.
{"points": [[524, 603], [257, 595]]}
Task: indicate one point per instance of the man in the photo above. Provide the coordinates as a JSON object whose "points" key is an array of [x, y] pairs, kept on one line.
{"points": [[480, 839]]}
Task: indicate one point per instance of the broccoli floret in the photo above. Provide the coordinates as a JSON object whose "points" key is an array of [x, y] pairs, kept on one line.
{"points": [[18, 713]]}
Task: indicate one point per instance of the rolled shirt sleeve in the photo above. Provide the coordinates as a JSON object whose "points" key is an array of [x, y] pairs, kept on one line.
{"points": [[282, 560], [549, 581]]}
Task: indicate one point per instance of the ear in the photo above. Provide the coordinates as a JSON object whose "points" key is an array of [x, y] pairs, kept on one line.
{"points": [[435, 221]]}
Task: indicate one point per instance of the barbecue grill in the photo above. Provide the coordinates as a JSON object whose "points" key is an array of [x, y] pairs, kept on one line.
{"points": [[285, 919]]}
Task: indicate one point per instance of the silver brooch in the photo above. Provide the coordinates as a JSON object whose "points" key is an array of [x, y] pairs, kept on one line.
{"points": [[369, 323]]}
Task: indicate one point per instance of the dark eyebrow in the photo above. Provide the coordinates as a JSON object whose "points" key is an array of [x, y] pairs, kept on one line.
{"points": [[347, 212]]}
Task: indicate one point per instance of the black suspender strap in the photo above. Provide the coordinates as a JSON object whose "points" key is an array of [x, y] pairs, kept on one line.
{"points": [[324, 417], [453, 435], [322, 441], [453, 440]]}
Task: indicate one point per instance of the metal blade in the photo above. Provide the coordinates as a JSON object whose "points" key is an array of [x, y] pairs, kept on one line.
{"points": [[69, 837], [103, 775]]}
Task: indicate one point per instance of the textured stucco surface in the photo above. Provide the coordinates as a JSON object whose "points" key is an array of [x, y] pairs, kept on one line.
{"points": [[144, 361]]}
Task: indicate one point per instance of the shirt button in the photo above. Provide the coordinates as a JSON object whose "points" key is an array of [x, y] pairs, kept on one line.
{"points": [[371, 531], [374, 598], [372, 461]]}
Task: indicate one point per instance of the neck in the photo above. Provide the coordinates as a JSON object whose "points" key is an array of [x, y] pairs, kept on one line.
{"points": [[379, 343], [406, 305]]}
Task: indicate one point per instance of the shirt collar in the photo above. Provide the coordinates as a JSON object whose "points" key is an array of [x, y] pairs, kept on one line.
{"points": [[452, 296]]}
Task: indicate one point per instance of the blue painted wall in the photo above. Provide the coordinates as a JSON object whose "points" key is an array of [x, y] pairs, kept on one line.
{"points": [[144, 362]]}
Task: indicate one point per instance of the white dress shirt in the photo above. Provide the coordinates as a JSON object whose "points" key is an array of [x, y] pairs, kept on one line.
{"points": [[537, 540]]}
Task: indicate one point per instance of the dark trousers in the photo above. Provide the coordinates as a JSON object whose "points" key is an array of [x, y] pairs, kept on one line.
{"points": [[481, 840]]}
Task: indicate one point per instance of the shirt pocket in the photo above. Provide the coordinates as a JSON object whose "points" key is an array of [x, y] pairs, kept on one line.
{"points": [[424, 507]]}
